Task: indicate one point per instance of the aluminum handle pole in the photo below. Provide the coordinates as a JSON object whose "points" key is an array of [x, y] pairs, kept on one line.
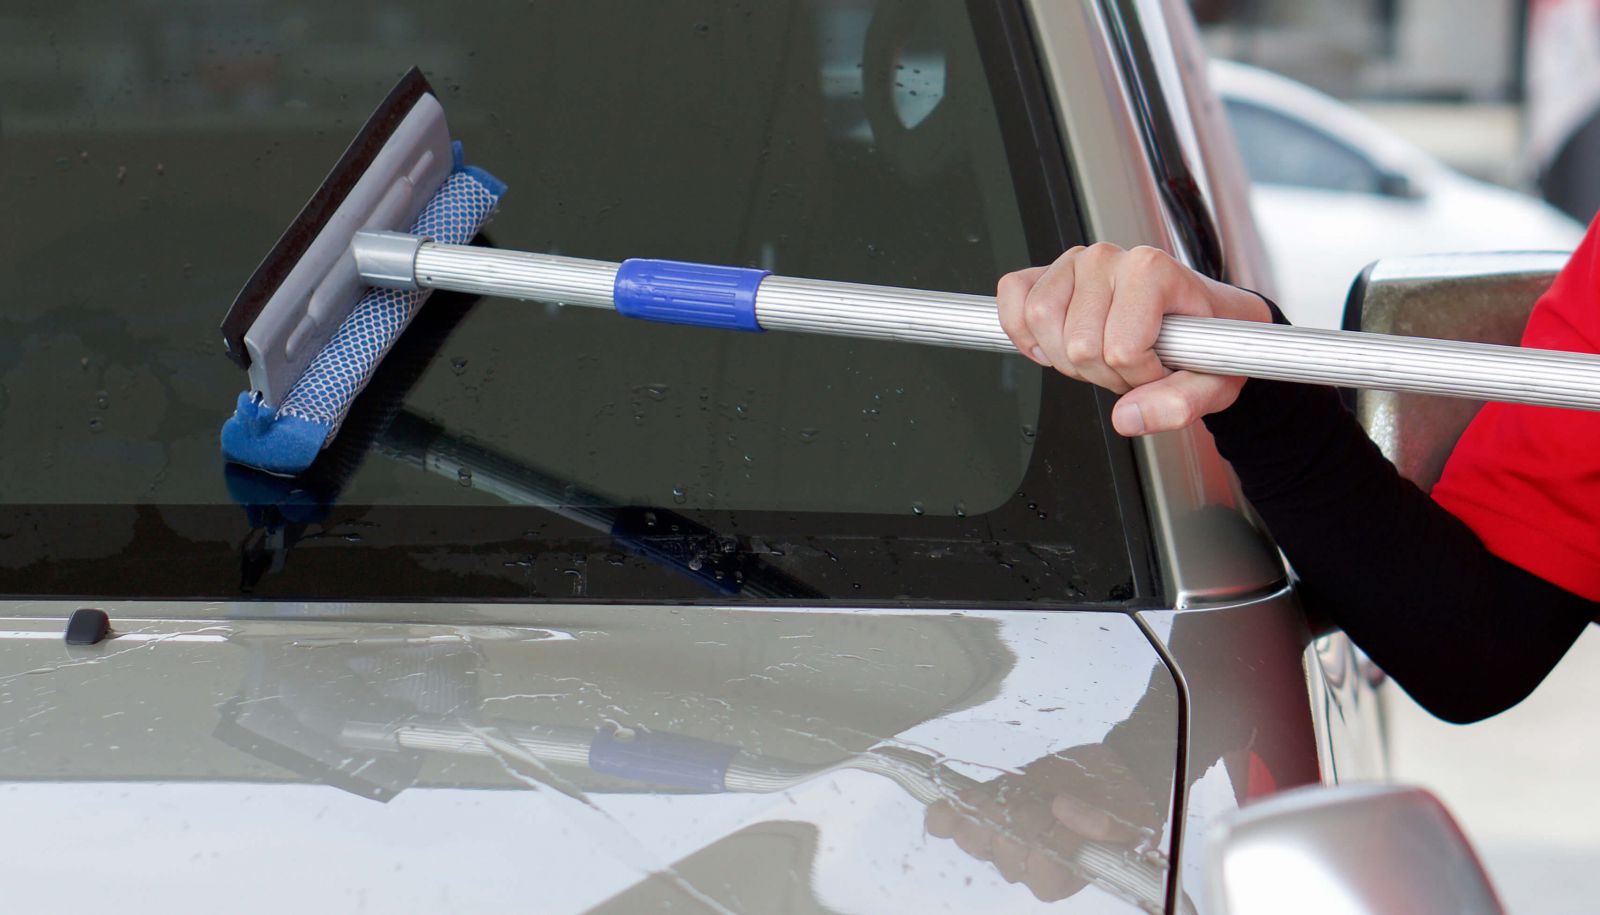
{"points": [[516, 274], [1422, 365], [1216, 346]]}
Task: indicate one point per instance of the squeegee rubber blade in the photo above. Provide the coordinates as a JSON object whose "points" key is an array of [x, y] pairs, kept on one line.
{"points": [[314, 216]]}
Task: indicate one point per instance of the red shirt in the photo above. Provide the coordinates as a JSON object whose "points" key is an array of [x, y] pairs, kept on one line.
{"points": [[1527, 479]]}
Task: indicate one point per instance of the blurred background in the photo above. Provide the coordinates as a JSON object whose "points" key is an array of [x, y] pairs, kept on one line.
{"points": [[1379, 128], [1374, 128]]}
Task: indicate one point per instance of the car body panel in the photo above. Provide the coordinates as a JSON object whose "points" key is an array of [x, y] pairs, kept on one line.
{"points": [[206, 747], [1248, 732]]}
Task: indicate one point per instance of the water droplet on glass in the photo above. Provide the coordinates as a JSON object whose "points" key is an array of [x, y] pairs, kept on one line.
{"points": [[961, 509], [458, 365], [102, 399], [855, 585], [656, 391], [808, 435], [464, 476], [353, 538], [741, 411], [649, 519], [95, 424], [973, 237], [916, 508], [679, 496], [1029, 433], [696, 563], [1043, 516], [160, 169]]}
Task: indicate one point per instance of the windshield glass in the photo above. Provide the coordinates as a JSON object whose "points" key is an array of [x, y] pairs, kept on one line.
{"points": [[523, 449]]}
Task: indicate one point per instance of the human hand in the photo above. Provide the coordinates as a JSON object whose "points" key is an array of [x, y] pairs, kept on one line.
{"points": [[1030, 824], [1094, 315]]}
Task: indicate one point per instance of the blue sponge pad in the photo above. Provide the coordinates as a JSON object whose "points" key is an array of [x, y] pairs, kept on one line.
{"points": [[259, 437], [285, 438]]}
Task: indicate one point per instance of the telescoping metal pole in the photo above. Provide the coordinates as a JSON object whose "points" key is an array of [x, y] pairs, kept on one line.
{"points": [[739, 298]]}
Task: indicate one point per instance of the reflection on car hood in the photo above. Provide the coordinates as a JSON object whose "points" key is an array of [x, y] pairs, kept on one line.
{"points": [[544, 758]]}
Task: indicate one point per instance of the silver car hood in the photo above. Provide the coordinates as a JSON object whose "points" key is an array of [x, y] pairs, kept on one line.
{"points": [[396, 758]]}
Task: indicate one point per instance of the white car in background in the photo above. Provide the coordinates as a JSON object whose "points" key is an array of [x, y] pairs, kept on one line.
{"points": [[1333, 191]]}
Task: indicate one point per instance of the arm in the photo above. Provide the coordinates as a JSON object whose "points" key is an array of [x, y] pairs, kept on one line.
{"points": [[1466, 633]]}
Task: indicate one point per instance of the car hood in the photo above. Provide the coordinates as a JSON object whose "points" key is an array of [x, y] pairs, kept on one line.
{"points": [[396, 758]]}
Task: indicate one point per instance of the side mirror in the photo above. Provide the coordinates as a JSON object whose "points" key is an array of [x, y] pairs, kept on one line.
{"points": [[1399, 185], [1349, 850], [1484, 297]]}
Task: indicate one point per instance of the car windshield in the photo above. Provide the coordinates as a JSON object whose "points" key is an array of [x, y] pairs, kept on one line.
{"points": [[524, 450]]}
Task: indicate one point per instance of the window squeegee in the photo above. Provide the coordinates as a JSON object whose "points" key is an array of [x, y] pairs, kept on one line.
{"points": [[393, 220]]}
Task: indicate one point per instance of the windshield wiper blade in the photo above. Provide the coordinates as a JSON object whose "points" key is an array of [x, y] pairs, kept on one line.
{"points": [[663, 537]]}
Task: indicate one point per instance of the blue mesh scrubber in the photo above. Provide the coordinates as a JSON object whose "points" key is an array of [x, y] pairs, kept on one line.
{"points": [[286, 439]]}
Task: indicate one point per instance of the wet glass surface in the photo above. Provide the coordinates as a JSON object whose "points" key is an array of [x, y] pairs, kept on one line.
{"points": [[149, 160]]}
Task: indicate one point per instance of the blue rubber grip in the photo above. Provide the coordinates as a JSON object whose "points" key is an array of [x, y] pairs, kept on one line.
{"points": [[677, 292], [668, 760]]}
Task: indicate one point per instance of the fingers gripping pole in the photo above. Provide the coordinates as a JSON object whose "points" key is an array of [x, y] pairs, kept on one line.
{"points": [[744, 299]]}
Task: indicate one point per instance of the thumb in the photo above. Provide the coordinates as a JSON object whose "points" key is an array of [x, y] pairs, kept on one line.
{"points": [[1173, 402]]}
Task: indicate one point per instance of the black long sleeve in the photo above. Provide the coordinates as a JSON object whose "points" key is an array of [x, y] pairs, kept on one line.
{"points": [[1465, 632]]}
